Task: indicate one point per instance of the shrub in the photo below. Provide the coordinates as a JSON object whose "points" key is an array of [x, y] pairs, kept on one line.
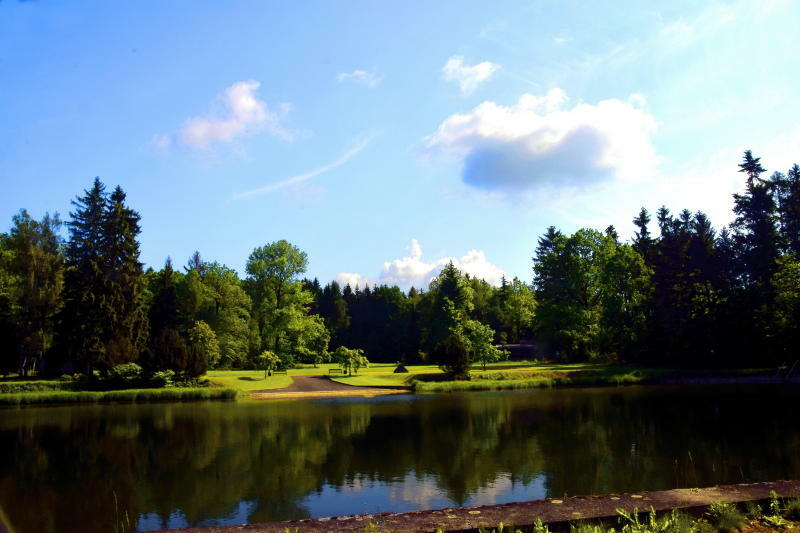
{"points": [[163, 378], [125, 372], [792, 511], [725, 517]]}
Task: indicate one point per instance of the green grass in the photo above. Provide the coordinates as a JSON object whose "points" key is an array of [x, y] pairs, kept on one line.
{"points": [[39, 385], [248, 380], [528, 375], [121, 396]]}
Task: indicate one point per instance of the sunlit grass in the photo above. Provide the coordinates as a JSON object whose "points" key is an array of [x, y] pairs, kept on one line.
{"points": [[248, 380]]}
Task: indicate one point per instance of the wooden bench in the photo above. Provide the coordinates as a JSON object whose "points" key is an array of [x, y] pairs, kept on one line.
{"points": [[335, 371]]}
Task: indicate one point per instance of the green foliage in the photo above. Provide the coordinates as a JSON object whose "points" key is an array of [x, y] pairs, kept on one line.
{"points": [[269, 361], [725, 517], [672, 522], [350, 360], [453, 356], [203, 342], [590, 292], [278, 296], [792, 510], [162, 378], [121, 396], [37, 260], [125, 372]]}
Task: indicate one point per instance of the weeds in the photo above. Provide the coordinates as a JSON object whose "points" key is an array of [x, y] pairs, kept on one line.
{"points": [[122, 524], [754, 511], [792, 510], [725, 517]]}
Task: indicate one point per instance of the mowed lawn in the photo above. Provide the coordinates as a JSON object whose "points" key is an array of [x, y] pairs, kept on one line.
{"points": [[382, 374], [248, 380]]}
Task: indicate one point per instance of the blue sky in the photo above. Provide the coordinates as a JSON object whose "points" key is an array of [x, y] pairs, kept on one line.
{"points": [[385, 138]]}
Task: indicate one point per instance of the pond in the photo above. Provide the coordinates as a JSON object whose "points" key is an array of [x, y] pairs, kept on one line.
{"points": [[80, 468]]}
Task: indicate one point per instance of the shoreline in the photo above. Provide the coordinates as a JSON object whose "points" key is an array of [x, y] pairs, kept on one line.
{"points": [[556, 513], [138, 396]]}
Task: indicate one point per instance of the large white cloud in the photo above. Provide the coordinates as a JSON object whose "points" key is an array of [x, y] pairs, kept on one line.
{"points": [[413, 271], [468, 77], [541, 140], [238, 111]]}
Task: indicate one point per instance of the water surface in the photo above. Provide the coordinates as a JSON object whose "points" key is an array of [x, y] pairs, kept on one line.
{"points": [[177, 465]]}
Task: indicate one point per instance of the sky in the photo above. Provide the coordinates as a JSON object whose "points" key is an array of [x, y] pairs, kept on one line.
{"points": [[386, 138]]}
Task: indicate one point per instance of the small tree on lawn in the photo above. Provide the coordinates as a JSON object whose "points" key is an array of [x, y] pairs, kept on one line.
{"points": [[350, 360], [270, 362], [479, 338]]}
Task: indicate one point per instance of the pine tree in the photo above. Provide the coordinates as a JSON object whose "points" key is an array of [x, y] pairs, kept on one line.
{"points": [[789, 210], [642, 241], [123, 302], [82, 325]]}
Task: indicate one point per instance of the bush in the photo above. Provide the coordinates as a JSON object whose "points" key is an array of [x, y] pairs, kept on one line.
{"points": [[792, 510], [163, 378], [125, 373], [725, 517]]}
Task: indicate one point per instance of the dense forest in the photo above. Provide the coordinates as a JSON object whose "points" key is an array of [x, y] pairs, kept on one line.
{"points": [[685, 294]]}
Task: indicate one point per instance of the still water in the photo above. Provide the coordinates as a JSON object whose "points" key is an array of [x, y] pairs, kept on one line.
{"points": [[217, 463]]}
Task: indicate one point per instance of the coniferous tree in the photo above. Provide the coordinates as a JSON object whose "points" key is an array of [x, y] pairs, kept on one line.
{"points": [[642, 241], [788, 188], [164, 316], [82, 325], [758, 248], [123, 303]]}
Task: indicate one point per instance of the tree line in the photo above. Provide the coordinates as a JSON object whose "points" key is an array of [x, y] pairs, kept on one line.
{"points": [[686, 294]]}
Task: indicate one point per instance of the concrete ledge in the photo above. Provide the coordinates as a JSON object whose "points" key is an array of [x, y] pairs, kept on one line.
{"points": [[551, 511]]}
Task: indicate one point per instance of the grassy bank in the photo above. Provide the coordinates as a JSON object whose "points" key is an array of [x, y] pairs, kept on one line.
{"points": [[530, 375], [119, 396]]}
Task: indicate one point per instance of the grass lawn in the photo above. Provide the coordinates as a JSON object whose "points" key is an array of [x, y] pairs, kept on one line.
{"points": [[248, 380], [529, 374]]}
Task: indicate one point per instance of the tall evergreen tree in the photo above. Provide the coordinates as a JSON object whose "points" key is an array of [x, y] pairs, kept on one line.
{"points": [[123, 303], [642, 241], [82, 325]]}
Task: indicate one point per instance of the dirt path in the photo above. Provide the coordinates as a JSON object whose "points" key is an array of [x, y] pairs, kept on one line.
{"points": [[313, 386]]}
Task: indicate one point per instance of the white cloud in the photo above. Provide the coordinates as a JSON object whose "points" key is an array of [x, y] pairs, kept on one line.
{"points": [[368, 79], [468, 77], [238, 111], [412, 270], [540, 141], [299, 178]]}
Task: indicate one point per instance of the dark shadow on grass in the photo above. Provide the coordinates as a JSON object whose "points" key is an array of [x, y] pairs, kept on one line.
{"points": [[248, 378]]}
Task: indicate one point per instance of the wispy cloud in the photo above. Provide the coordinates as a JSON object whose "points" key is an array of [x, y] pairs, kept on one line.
{"points": [[368, 79], [239, 111], [299, 178], [468, 77]]}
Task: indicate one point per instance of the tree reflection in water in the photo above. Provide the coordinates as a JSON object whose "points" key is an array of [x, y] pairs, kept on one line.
{"points": [[195, 463]]}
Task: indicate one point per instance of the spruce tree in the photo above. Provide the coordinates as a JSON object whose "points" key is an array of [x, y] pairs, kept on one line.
{"points": [[82, 325], [123, 302], [642, 239]]}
